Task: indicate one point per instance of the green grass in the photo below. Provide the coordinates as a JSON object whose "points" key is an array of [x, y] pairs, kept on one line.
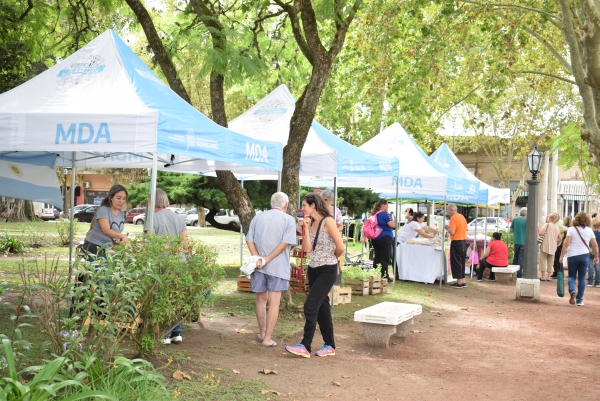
{"points": [[227, 301]]}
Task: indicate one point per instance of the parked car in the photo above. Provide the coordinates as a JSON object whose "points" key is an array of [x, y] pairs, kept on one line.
{"points": [[226, 216], [134, 212], [192, 216], [140, 219], [85, 215], [493, 224], [49, 212], [75, 209], [176, 210]]}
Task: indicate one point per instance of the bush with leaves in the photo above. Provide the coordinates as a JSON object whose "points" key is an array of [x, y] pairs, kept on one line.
{"points": [[357, 273], [80, 376], [177, 286], [11, 244], [63, 227], [154, 280]]}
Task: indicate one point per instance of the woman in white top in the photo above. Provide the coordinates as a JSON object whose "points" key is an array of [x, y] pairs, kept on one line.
{"points": [[414, 227], [577, 250]]}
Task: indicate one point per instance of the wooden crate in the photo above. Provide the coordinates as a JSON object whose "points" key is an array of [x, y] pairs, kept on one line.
{"points": [[339, 295], [243, 284], [384, 286], [359, 287], [345, 295], [375, 285]]}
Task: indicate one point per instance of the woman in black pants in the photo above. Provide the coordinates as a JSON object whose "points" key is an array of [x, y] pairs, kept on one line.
{"points": [[321, 237], [384, 242]]}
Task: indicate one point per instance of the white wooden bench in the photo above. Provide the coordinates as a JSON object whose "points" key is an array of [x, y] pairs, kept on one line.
{"points": [[505, 275], [381, 321]]}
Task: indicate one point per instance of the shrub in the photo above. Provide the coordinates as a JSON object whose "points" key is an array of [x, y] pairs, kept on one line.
{"points": [[11, 244], [15, 339], [63, 227], [357, 273], [150, 281], [177, 286], [78, 376], [34, 238]]}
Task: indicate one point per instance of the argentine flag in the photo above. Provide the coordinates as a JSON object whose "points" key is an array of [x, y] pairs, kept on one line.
{"points": [[31, 177]]}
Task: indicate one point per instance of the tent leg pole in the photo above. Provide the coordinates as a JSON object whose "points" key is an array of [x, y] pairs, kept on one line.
{"points": [[475, 248], [241, 238], [279, 181], [395, 258], [152, 205], [71, 214], [443, 274]]}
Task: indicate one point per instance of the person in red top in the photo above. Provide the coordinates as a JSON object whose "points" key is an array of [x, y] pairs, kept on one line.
{"points": [[496, 255]]}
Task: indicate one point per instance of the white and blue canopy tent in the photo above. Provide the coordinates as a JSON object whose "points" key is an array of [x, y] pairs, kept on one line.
{"points": [[419, 178], [487, 194], [103, 103], [323, 154]]}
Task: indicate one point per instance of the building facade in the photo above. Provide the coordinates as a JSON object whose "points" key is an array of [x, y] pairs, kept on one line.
{"points": [[570, 188]]}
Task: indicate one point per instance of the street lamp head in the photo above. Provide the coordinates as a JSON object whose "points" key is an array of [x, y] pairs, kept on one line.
{"points": [[535, 159]]}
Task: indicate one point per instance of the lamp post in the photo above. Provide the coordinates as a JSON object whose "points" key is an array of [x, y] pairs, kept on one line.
{"points": [[534, 159]]}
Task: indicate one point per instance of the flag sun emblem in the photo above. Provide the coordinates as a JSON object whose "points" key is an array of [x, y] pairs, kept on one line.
{"points": [[16, 170]]}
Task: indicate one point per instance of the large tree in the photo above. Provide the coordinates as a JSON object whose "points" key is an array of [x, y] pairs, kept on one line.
{"points": [[567, 34], [319, 38]]}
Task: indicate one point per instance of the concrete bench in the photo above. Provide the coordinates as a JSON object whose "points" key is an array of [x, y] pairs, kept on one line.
{"points": [[381, 321], [505, 275]]}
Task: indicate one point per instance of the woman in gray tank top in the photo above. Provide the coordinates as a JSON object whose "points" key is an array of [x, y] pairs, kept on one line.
{"points": [[321, 237], [108, 222]]}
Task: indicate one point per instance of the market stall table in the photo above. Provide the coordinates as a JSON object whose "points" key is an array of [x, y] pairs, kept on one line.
{"points": [[419, 262]]}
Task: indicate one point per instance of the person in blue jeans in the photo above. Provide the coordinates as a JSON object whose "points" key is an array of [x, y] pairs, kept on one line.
{"points": [[518, 229], [577, 250], [594, 268]]}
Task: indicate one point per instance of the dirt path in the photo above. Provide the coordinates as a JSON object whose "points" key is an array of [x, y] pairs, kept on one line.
{"points": [[482, 345]]}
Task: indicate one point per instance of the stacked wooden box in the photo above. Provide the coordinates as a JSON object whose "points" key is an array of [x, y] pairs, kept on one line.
{"points": [[243, 284], [375, 285], [340, 295], [359, 287]]}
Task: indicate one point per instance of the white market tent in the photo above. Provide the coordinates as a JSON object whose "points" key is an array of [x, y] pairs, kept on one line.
{"points": [[418, 179], [104, 103], [487, 195], [323, 154]]}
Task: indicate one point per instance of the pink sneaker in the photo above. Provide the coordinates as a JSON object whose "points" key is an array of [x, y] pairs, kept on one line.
{"points": [[299, 350], [325, 350]]}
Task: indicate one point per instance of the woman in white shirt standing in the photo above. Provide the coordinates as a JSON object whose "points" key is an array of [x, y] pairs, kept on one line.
{"points": [[414, 227], [577, 250]]}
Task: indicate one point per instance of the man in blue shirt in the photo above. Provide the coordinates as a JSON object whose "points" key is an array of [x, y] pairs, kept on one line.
{"points": [[271, 235]]}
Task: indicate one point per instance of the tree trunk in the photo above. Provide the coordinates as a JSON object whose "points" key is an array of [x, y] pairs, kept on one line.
{"points": [[302, 118], [12, 209]]}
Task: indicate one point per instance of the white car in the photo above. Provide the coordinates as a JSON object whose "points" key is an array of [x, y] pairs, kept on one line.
{"points": [[226, 216], [493, 224], [140, 219], [192, 216]]}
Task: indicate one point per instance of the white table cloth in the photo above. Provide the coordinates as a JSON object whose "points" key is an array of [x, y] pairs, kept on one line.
{"points": [[419, 262]]}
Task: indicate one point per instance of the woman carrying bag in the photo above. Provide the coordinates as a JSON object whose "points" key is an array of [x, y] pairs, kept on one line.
{"points": [[551, 240], [321, 237], [577, 251]]}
